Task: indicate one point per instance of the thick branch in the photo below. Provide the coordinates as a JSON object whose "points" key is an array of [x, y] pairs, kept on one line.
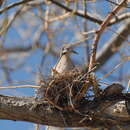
{"points": [[24, 109], [38, 111], [113, 45]]}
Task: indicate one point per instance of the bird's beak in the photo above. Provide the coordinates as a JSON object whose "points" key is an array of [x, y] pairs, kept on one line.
{"points": [[75, 52]]}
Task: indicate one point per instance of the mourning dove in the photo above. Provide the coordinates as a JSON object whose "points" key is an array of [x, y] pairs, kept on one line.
{"points": [[65, 62]]}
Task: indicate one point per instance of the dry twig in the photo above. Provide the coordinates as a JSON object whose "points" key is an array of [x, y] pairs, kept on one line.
{"points": [[100, 31]]}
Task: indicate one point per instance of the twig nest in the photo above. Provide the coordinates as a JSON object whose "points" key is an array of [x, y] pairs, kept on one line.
{"points": [[63, 88], [68, 90]]}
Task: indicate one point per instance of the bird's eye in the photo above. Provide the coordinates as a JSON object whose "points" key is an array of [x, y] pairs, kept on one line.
{"points": [[68, 48]]}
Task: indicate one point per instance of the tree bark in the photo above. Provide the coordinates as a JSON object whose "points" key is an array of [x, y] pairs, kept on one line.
{"points": [[97, 113]]}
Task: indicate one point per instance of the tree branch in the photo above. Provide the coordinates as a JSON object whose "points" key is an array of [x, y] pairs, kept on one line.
{"points": [[90, 17], [94, 114], [100, 31], [113, 45], [14, 5], [78, 13]]}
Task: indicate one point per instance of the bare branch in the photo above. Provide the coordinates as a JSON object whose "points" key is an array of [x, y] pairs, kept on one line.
{"points": [[113, 45], [39, 111], [14, 5], [80, 14], [100, 31], [90, 16]]}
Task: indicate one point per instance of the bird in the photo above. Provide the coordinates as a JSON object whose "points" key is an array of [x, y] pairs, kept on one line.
{"points": [[63, 65], [65, 62]]}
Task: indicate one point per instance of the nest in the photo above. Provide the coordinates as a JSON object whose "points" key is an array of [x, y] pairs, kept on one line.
{"points": [[67, 90]]}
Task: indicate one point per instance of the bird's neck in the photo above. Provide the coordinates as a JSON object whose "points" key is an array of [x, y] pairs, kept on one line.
{"points": [[66, 57]]}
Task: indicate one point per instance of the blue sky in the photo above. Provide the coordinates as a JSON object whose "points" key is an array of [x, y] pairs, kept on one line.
{"points": [[31, 66]]}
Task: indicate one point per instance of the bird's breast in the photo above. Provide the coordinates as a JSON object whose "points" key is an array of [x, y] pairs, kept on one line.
{"points": [[64, 64]]}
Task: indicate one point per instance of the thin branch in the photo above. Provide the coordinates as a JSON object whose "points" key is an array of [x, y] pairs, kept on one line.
{"points": [[20, 86], [90, 17], [119, 18], [101, 30], [10, 22], [115, 3], [58, 18], [113, 70], [113, 45], [78, 13], [14, 5]]}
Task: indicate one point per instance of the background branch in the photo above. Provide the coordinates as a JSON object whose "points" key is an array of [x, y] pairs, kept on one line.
{"points": [[113, 45]]}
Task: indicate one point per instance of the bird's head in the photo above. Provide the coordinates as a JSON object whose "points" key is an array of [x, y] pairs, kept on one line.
{"points": [[68, 50]]}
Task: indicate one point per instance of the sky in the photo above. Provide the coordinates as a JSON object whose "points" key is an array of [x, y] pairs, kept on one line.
{"points": [[31, 66]]}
